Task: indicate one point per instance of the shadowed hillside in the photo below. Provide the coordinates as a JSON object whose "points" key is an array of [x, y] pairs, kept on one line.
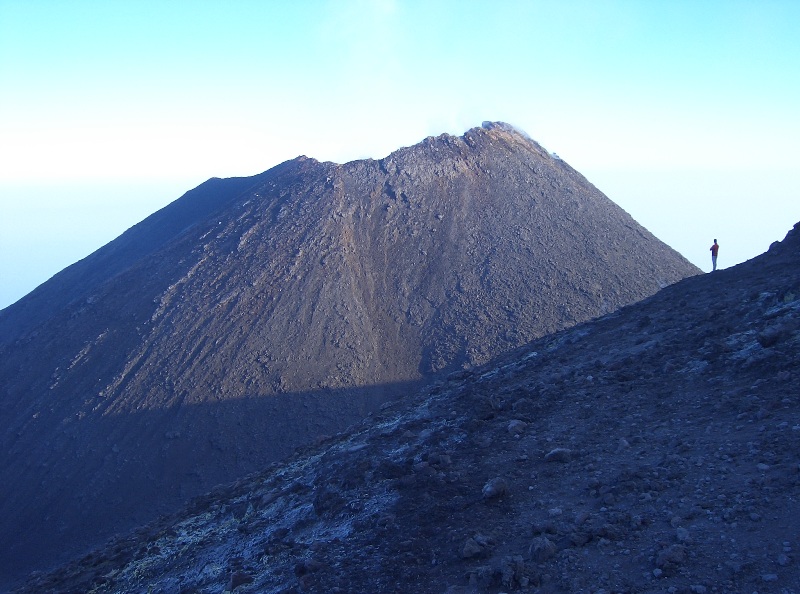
{"points": [[257, 314], [653, 450]]}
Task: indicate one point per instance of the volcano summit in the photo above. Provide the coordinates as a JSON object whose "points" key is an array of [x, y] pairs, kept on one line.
{"points": [[253, 315]]}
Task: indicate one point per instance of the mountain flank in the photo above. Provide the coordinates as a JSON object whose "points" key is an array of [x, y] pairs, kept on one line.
{"points": [[257, 314], [656, 449]]}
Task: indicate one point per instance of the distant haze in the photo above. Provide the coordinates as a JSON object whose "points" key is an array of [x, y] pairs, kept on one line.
{"points": [[684, 113]]}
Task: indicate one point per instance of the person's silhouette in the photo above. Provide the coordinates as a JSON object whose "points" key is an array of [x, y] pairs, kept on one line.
{"points": [[714, 250]]}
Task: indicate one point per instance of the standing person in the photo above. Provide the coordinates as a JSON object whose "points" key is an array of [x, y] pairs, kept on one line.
{"points": [[714, 250]]}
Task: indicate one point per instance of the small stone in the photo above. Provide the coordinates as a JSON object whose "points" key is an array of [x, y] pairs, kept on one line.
{"points": [[770, 577], [671, 556], [657, 572], [783, 560], [517, 426], [239, 578], [471, 549], [307, 566], [682, 534], [697, 589], [558, 455], [497, 487], [763, 467], [542, 549]]}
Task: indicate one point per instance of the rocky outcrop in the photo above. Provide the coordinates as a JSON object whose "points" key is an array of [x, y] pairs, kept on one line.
{"points": [[257, 314], [652, 450]]}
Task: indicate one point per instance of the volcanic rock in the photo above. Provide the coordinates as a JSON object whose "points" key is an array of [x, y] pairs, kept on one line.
{"points": [[257, 314], [691, 510]]}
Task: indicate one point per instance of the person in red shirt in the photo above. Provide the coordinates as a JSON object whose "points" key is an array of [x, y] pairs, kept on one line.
{"points": [[714, 250]]}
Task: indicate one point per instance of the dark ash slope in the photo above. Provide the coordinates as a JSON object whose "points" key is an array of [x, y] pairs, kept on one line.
{"points": [[654, 450], [260, 313]]}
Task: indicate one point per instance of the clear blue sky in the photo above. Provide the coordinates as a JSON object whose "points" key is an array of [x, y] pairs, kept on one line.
{"points": [[685, 113]]}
